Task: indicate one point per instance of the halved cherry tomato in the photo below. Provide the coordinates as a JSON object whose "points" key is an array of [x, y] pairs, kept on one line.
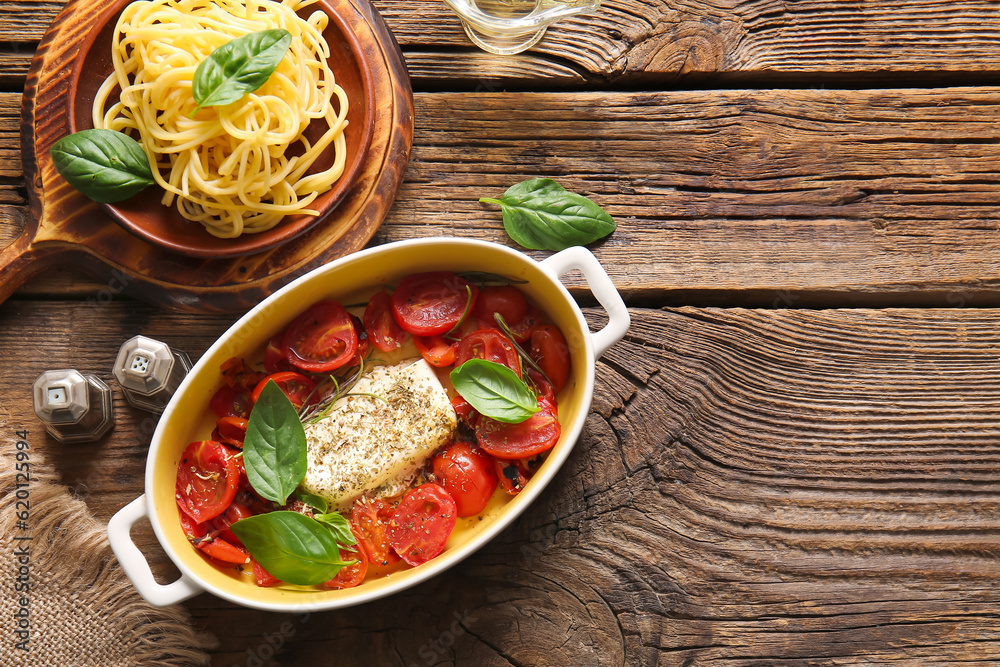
{"points": [[542, 386], [536, 434], [207, 478], [232, 401], [264, 578], [504, 299], [465, 411], [351, 575], [491, 345], [550, 352], [237, 373], [383, 330], [274, 355], [466, 472], [437, 350], [522, 328], [431, 304], [422, 524], [512, 475], [364, 340], [192, 529], [321, 339], [235, 512], [231, 430], [220, 549], [297, 387], [369, 521]]}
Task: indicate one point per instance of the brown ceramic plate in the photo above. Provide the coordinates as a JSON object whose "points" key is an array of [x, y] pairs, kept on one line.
{"points": [[147, 218]]}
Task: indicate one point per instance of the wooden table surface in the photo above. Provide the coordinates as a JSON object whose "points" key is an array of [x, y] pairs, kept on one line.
{"points": [[792, 458]]}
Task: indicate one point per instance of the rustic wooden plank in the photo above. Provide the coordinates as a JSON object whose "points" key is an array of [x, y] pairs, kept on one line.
{"points": [[779, 487], [772, 198], [641, 40]]}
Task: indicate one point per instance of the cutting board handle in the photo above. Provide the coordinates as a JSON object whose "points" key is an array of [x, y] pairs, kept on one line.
{"points": [[22, 259]]}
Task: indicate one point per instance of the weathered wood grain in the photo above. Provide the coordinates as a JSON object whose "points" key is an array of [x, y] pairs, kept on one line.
{"points": [[768, 198], [638, 40], [752, 487]]}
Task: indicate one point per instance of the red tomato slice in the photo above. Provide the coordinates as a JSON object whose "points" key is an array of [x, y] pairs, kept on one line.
{"points": [[369, 521], [352, 575], [466, 472], [536, 434], [522, 328], [504, 299], [512, 475], [383, 330], [264, 578], [221, 523], [465, 411], [192, 530], [274, 355], [231, 430], [232, 402], [321, 339], [491, 345], [220, 549], [550, 352], [431, 304], [207, 478], [422, 524], [364, 340], [297, 387], [237, 373], [542, 386], [437, 350]]}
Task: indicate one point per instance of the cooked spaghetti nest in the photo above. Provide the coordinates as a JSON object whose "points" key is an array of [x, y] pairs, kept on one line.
{"points": [[238, 168]]}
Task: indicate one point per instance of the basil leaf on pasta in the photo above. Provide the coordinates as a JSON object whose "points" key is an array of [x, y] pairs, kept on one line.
{"points": [[104, 165], [238, 67]]}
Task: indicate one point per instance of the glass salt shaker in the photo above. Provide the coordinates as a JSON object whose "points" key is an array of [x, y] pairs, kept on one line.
{"points": [[72, 406], [506, 27], [149, 372]]}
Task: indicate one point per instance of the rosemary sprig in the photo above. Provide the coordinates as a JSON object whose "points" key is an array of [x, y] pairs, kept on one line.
{"points": [[517, 348]]}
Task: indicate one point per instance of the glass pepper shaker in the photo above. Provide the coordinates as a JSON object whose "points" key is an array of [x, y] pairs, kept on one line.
{"points": [[73, 407], [149, 372]]}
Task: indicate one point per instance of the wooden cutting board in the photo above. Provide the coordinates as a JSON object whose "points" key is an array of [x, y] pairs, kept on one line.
{"points": [[67, 228]]}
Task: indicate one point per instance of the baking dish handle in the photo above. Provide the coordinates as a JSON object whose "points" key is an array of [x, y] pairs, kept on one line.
{"points": [[135, 565], [604, 290]]}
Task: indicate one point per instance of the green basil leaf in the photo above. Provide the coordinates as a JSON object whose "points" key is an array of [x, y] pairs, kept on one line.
{"points": [[104, 165], [494, 391], [542, 215], [291, 546], [274, 452], [318, 503], [340, 526], [239, 67]]}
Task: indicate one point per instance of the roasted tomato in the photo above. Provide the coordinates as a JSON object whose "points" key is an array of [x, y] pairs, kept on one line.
{"points": [[207, 478], [504, 299], [350, 575], [512, 475], [431, 304], [422, 524], [466, 472], [369, 522], [297, 387], [437, 350], [550, 352], [491, 345], [536, 434], [231, 430], [383, 330], [321, 339]]}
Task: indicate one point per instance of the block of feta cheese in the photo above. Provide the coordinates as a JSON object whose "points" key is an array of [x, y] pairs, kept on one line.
{"points": [[367, 445]]}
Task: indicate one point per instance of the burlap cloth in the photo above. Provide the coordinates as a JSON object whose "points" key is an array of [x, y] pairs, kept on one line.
{"points": [[82, 610]]}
